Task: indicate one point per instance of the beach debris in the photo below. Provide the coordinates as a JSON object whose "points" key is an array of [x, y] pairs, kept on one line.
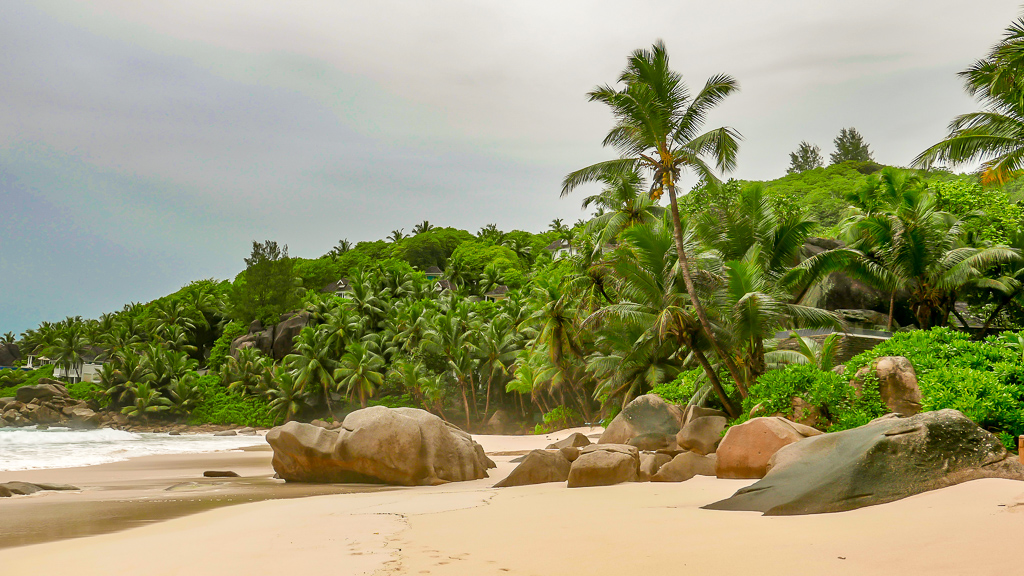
{"points": [[604, 465], [685, 466], [747, 447], [220, 474], [402, 446], [538, 467], [575, 440], [897, 383], [9, 489], [702, 434], [643, 415], [885, 460]]}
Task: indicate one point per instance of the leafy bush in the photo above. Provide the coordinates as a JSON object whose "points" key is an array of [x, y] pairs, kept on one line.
{"points": [[681, 389], [984, 380], [557, 419], [222, 346], [87, 391], [221, 406], [837, 400], [11, 380]]}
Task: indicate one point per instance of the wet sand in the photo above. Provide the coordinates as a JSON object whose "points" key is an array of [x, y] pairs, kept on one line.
{"points": [[140, 491]]}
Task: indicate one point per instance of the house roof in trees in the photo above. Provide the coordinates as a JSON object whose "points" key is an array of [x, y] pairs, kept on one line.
{"points": [[443, 285], [341, 285], [500, 290], [433, 270], [559, 244]]}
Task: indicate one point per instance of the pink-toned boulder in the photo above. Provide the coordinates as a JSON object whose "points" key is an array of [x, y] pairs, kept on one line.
{"points": [[897, 383], [747, 448]]}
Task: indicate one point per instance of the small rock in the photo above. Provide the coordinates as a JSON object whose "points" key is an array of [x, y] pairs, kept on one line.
{"points": [[575, 440], [174, 433], [226, 433], [571, 453], [220, 474], [652, 441], [686, 466], [538, 467], [650, 463]]}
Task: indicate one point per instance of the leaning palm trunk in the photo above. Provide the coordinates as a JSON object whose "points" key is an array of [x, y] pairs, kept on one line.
{"points": [[691, 289], [716, 384]]}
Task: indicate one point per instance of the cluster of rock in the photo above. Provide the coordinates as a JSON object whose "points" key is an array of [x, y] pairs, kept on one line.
{"points": [[276, 341], [47, 404], [650, 440], [888, 459], [378, 445], [8, 489]]}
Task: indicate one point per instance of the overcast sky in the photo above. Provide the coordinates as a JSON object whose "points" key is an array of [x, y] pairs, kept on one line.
{"points": [[144, 144]]}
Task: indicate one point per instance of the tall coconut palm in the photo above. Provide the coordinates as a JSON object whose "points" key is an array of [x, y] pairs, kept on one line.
{"points": [[657, 130], [422, 227], [996, 134]]}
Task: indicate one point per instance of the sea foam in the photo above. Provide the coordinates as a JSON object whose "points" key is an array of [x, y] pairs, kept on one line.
{"points": [[30, 449]]}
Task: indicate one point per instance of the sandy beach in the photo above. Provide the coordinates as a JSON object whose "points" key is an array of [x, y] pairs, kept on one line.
{"points": [[470, 528]]}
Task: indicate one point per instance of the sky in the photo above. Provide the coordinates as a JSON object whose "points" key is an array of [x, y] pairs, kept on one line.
{"points": [[145, 144]]}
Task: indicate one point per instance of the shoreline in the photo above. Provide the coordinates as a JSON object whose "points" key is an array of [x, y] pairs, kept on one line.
{"points": [[471, 528]]}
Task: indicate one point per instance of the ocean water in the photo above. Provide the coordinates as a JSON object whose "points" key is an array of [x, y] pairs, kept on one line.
{"points": [[31, 449]]}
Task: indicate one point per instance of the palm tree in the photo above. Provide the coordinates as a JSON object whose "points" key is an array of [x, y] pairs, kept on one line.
{"points": [[312, 364], [808, 351], [286, 398], [658, 130], [397, 235], [646, 276], [996, 134], [922, 250], [622, 203], [68, 349], [422, 227], [360, 372], [496, 346], [146, 401]]}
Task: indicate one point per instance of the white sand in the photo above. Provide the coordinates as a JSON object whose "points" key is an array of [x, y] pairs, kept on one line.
{"points": [[469, 528]]}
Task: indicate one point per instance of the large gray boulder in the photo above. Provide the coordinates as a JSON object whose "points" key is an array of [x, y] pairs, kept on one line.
{"points": [[9, 353], [897, 383], [539, 467], [285, 332], [402, 446], [647, 414], [747, 448], [888, 459], [41, 392], [604, 465]]}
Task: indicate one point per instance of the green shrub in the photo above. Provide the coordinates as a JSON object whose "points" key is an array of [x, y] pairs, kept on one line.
{"points": [[681, 389], [87, 391], [11, 380], [222, 346], [557, 419], [221, 406], [984, 380], [837, 400]]}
